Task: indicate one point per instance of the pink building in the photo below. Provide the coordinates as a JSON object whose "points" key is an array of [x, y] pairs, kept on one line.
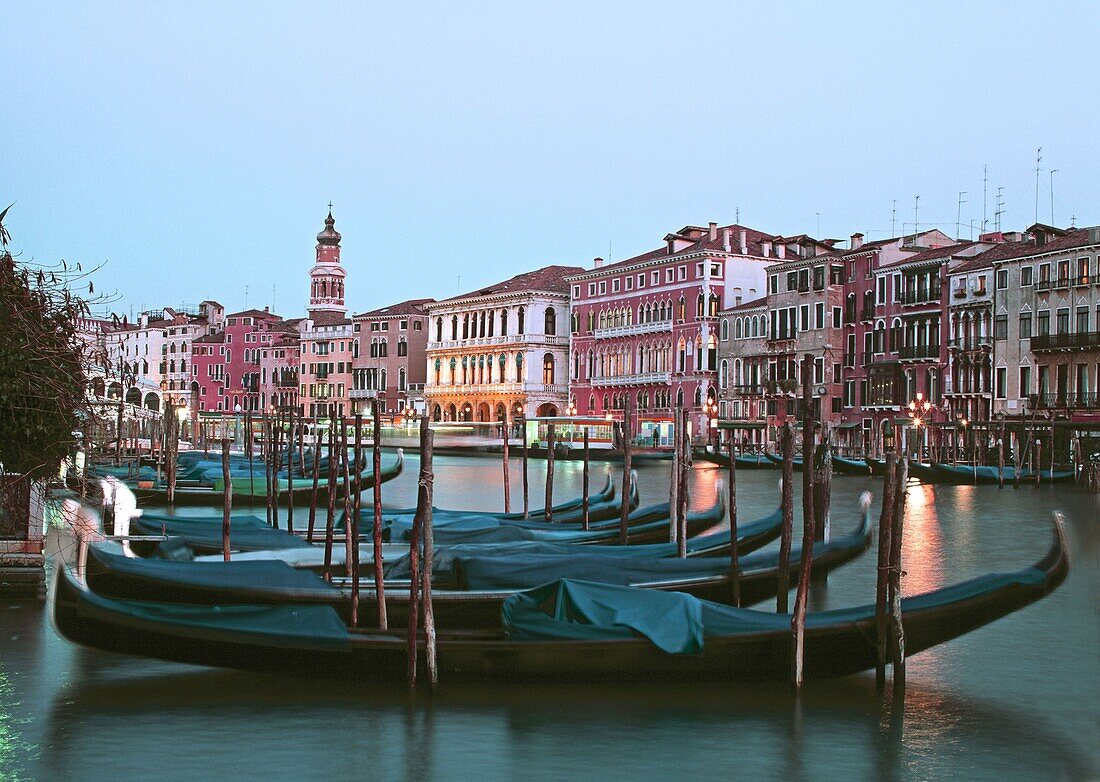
{"points": [[390, 364], [646, 329], [225, 366], [279, 369]]}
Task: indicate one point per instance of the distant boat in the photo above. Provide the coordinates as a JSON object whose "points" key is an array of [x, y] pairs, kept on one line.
{"points": [[845, 466]]}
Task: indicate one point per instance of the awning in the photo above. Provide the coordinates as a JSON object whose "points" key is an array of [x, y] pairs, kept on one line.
{"points": [[741, 424], [849, 425]]}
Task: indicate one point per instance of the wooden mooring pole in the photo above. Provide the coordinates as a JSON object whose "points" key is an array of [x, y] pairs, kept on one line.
{"points": [[735, 566], [330, 519], [787, 509], [682, 491], [1001, 458], [352, 526], [624, 510], [345, 476], [290, 472], [227, 498], [376, 527], [897, 628], [504, 466], [526, 492], [802, 593], [427, 481], [584, 484], [316, 476], [674, 482], [882, 580], [549, 473]]}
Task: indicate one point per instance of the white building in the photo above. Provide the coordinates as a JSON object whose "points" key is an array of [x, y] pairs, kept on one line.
{"points": [[502, 350]]}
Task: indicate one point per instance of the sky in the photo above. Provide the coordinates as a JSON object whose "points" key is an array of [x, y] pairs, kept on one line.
{"points": [[191, 148]]}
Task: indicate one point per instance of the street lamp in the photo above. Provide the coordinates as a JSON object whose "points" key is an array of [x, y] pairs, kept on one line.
{"points": [[919, 410], [710, 409], [236, 425]]}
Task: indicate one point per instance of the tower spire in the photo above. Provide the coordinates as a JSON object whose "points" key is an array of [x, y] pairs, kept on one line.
{"points": [[327, 275]]}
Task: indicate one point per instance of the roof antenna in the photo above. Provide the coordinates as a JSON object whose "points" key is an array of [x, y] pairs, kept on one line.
{"points": [[737, 215], [985, 183], [958, 217], [1053, 171], [818, 224], [916, 209], [1038, 160], [609, 251], [893, 217], [246, 297], [1000, 210], [273, 297], [460, 283]]}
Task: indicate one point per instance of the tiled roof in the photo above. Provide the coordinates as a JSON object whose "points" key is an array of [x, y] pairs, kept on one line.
{"points": [[1080, 237], [210, 339], [408, 307], [328, 318], [932, 254], [753, 240], [253, 313], [749, 305], [549, 278]]}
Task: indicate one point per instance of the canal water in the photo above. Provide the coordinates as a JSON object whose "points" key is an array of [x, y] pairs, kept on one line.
{"points": [[1015, 700]]}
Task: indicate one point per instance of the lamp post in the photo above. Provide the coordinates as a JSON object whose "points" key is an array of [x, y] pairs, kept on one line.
{"points": [[571, 411], [710, 410], [237, 425], [919, 410]]}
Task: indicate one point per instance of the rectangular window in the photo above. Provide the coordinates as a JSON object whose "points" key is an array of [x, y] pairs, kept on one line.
{"points": [[603, 287], [1002, 382], [804, 317], [1042, 323], [1044, 273], [1025, 274], [897, 287], [836, 317], [1000, 327], [1025, 325], [591, 289], [792, 281], [803, 280], [655, 278], [681, 272], [1082, 271], [641, 280], [615, 285], [630, 283], [773, 284], [819, 370], [819, 315], [1025, 381], [699, 270], [669, 275], [1002, 279], [576, 291], [819, 278], [1082, 320], [1063, 320], [880, 296], [716, 270]]}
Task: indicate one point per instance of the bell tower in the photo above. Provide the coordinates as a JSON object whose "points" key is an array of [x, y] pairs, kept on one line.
{"points": [[326, 292]]}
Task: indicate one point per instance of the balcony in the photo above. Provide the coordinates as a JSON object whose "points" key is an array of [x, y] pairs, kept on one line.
{"points": [[464, 389], [747, 390], [510, 341], [868, 313], [1046, 285], [643, 378], [1089, 340], [364, 393], [634, 328], [967, 344], [921, 296], [915, 352], [1087, 401]]}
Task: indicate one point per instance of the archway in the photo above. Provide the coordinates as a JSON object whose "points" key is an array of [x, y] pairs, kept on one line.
{"points": [[437, 413], [451, 413], [466, 413], [501, 412], [114, 391], [483, 411], [152, 401], [98, 387], [133, 396], [547, 409]]}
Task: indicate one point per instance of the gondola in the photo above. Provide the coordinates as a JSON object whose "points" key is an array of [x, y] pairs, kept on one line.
{"points": [[468, 593], [744, 461], [877, 466], [922, 472], [985, 474], [776, 459], [561, 631], [254, 490], [843, 466]]}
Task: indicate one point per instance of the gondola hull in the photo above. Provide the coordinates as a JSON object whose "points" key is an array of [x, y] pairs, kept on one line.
{"points": [[312, 641]]}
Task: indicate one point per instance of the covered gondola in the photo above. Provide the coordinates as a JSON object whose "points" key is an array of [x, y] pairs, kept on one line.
{"points": [[986, 474], [845, 466], [562, 631]]}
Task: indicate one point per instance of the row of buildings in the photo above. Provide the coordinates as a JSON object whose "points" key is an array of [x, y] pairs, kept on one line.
{"points": [[717, 319]]}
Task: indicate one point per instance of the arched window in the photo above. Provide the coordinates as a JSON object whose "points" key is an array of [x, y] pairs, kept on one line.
{"points": [[466, 326], [681, 356], [504, 323], [683, 308], [454, 327], [738, 330], [548, 369], [725, 330], [438, 332], [712, 305], [700, 306], [723, 371], [550, 325], [712, 352], [520, 314]]}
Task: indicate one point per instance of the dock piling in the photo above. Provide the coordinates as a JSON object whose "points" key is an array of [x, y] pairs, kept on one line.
{"points": [[227, 499], [787, 507], [624, 510], [376, 527]]}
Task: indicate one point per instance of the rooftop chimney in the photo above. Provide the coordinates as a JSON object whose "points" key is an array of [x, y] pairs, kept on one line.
{"points": [[1094, 235], [857, 241], [781, 250], [713, 231], [744, 242], [767, 248], [726, 239], [597, 263]]}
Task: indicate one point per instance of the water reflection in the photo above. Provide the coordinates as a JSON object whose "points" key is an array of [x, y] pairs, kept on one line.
{"points": [[991, 705]]}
